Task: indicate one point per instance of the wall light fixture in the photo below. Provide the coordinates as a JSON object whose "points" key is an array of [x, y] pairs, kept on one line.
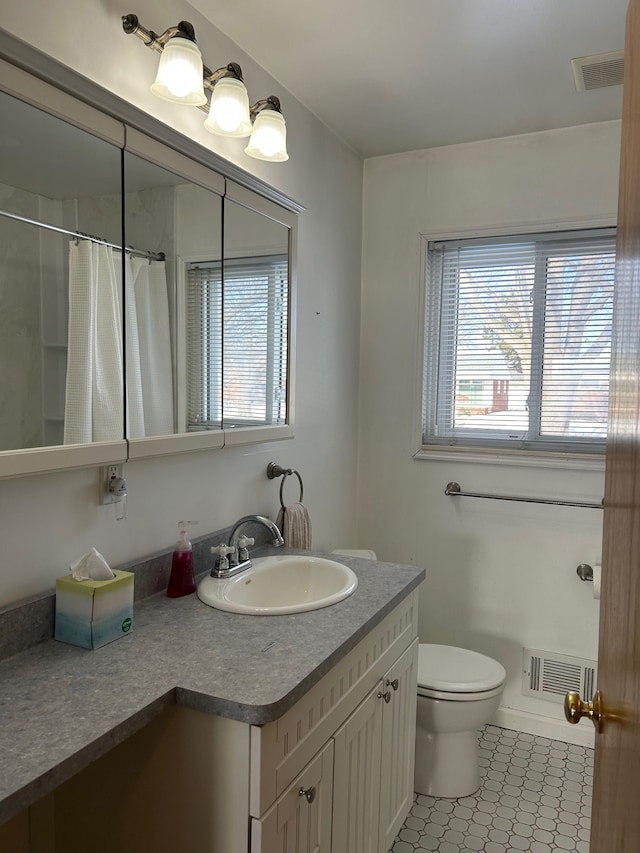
{"points": [[182, 78]]}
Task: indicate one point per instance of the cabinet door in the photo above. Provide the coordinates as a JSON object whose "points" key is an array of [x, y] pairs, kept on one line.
{"points": [[356, 787], [398, 745], [300, 820]]}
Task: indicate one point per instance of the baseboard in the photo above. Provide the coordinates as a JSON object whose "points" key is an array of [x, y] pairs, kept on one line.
{"points": [[582, 734]]}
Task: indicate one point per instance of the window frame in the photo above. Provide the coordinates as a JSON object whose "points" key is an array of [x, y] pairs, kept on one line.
{"points": [[211, 379], [483, 450]]}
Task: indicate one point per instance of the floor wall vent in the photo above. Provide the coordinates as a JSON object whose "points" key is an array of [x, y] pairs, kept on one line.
{"points": [[598, 71], [549, 675]]}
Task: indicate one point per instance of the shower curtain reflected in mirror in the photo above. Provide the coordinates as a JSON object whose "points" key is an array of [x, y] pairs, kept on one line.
{"points": [[94, 398], [150, 394]]}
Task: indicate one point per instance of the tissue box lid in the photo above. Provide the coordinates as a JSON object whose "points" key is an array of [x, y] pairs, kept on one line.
{"points": [[94, 588]]}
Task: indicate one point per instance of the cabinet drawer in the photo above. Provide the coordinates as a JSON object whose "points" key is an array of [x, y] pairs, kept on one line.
{"points": [[279, 750], [301, 818]]}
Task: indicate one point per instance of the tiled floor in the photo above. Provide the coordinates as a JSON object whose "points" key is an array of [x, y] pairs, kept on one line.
{"points": [[535, 795]]}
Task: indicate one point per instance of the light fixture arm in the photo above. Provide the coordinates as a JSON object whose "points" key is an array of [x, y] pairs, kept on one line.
{"points": [[132, 26], [212, 77], [272, 103]]}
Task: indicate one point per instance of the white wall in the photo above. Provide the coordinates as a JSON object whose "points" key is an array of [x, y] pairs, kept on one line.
{"points": [[501, 575], [46, 521]]}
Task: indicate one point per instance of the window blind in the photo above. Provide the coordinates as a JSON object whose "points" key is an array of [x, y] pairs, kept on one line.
{"points": [[518, 341], [204, 346], [237, 342]]}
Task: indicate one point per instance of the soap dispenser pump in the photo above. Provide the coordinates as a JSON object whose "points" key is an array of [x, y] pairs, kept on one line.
{"points": [[182, 580]]}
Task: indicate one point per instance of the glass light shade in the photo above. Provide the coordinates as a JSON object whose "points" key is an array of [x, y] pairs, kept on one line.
{"points": [[229, 110], [179, 77], [269, 138]]}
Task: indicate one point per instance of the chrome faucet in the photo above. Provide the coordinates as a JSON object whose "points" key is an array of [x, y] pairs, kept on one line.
{"points": [[237, 548], [257, 519]]}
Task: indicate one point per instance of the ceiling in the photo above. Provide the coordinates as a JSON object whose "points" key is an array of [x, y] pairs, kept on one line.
{"points": [[402, 75]]}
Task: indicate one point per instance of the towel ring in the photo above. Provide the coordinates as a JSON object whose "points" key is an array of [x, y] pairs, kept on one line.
{"points": [[275, 470]]}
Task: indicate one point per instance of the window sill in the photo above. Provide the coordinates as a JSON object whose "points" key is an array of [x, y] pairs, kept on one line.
{"points": [[234, 436], [521, 458]]}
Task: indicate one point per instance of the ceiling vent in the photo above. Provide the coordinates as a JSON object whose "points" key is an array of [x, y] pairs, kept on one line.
{"points": [[598, 71]]}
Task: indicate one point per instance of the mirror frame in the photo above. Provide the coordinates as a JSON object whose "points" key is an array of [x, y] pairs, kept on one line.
{"points": [[38, 79]]}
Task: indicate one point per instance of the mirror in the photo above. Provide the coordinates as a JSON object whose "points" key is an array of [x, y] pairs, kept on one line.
{"points": [[218, 342], [254, 296], [45, 200], [182, 223], [170, 343]]}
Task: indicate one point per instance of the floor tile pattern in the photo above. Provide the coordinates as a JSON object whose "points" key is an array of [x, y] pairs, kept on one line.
{"points": [[535, 796]]}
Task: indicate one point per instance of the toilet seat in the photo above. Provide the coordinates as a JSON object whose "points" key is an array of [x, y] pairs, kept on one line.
{"points": [[459, 675]]}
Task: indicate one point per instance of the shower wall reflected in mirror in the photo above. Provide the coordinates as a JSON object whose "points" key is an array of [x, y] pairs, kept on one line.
{"points": [[54, 173]]}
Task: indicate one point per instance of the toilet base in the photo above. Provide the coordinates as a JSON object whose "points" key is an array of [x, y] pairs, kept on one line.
{"points": [[447, 764]]}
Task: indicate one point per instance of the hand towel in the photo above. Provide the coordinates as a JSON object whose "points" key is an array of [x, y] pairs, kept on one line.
{"points": [[295, 526]]}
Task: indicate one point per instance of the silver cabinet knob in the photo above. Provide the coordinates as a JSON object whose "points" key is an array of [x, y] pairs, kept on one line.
{"points": [[309, 793], [386, 696], [393, 683]]}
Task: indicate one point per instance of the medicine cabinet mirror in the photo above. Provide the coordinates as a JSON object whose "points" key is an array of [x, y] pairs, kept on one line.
{"points": [[181, 342]]}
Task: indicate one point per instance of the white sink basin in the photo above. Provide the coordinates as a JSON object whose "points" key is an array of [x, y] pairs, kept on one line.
{"points": [[291, 583]]}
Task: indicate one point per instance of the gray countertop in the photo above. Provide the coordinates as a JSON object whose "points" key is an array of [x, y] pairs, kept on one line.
{"points": [[62, 707]]}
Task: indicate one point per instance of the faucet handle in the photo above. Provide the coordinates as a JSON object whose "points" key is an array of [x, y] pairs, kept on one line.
{"points": [[222, 549], [243, 544], [222, 560]]}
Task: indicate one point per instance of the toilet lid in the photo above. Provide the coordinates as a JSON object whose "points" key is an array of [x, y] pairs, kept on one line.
{"points": [[454, 670]]}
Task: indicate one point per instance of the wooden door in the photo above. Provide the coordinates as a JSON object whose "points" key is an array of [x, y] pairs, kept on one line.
{"points": [[616, 811], [398, 746]]}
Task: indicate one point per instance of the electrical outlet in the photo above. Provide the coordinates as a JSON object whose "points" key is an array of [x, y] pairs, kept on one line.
{"points": [[109, 473]]}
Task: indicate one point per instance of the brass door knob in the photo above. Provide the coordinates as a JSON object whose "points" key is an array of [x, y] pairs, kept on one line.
{"points": [[575, 709]]}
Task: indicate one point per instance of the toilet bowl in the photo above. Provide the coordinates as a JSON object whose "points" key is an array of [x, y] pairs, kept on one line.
{"points": [[458, 692]]}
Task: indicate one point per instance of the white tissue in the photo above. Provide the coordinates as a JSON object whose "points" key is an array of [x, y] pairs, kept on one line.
{"points": [[597, 578], [91, 566]]}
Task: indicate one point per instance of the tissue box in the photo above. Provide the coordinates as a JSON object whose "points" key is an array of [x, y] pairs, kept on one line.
{"points": [[93, 613]]}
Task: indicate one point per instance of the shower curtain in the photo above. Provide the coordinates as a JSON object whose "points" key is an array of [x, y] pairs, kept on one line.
{"points": [[94, 400]]}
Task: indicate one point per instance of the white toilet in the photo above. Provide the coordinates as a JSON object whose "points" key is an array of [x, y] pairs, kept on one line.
{"points": [[458, 692]]}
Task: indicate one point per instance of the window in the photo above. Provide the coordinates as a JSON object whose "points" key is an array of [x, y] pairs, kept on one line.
{"points": [[518, 341], [239, 322]]}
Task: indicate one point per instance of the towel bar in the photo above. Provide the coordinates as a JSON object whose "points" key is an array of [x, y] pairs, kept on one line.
{"points": [[453, 490], [275, 470]]}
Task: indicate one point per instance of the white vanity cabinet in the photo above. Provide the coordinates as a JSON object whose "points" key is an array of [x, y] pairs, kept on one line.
{"points": [[362, 713], [355, 794], [374, 761]]}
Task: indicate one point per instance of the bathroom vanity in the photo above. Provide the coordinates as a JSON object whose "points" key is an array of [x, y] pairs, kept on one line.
{"points": [[217, 732]]}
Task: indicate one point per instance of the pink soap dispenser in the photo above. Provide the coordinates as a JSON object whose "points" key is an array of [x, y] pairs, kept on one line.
{"points": [[182, 580]]}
